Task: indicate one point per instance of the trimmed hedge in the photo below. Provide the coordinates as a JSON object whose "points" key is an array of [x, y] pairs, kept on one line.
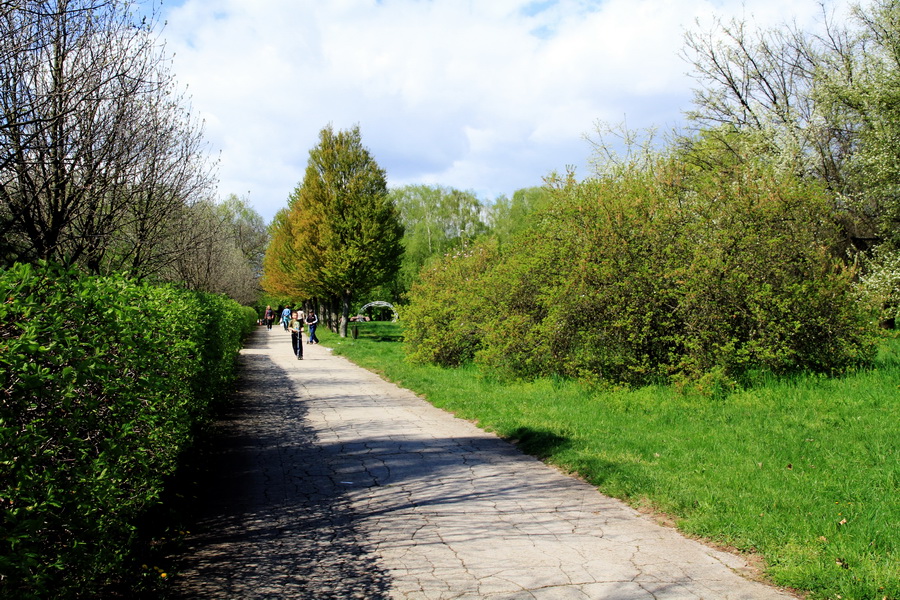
{"points": [[103, 381]]}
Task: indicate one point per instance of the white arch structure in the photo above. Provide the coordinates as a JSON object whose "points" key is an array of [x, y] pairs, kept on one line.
{"points": [[378, 303]]}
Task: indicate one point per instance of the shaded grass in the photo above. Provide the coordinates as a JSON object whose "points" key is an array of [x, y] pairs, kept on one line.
{"points": [[803, 472]]}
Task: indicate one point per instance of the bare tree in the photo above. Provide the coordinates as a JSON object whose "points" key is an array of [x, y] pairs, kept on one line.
{"points": [[768, 81], [799, 98], [97, 148], [224, 249]]}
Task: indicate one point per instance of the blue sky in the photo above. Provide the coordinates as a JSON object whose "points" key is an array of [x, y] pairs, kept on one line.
{"points": [[488, 95]]}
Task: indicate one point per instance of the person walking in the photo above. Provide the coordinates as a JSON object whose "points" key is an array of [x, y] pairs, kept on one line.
{"points": [[311, 321], [285, 317], [270, 317], [296, 328]]}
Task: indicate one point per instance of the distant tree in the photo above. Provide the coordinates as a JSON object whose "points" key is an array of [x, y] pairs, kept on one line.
{"points": [[508, 216], [342, 234], [222, 249], [436, 219], [247, 228]]}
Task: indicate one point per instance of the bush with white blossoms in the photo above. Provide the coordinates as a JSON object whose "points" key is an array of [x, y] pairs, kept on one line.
{"points": [[879, 287]]}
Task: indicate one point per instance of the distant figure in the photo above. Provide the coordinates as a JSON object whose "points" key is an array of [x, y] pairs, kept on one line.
{"points": [[285, 317], [295, 326], [270, 317], [311, 321]]}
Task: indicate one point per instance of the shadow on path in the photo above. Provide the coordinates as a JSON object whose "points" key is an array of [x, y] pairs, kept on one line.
{"points": [[327, 482], [272, 521]]}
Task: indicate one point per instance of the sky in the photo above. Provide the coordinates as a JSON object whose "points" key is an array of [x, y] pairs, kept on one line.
{"points": [[488, 96]]}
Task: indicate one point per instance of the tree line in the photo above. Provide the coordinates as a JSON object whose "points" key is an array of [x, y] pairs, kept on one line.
{"points": [[103, 164], [762, 237], [345, 238]]}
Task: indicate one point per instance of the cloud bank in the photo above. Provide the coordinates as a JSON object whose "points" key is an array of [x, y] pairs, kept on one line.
{"points": [[488, 96]]}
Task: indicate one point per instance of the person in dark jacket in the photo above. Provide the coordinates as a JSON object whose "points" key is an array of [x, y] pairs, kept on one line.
{"points": [[311, 322]]}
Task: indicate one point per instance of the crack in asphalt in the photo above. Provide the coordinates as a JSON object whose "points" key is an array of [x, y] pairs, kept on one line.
{"points": [[328, 482]]}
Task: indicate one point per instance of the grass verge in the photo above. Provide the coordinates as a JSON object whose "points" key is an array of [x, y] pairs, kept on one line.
{"points": [[801, 472]]}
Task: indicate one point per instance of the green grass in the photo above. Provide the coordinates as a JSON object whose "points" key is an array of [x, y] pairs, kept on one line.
{"points": [[804, 472]]}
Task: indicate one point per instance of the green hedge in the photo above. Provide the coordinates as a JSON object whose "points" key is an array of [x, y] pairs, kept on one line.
{"points": [[102, 383]]}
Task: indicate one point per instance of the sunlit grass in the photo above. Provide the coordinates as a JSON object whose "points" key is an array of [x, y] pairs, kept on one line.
{"points": [[803, 472]]}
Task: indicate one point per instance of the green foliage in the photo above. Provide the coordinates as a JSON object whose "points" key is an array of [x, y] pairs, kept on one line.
{"points": [[761, 289], [446, 314], [669, 271], [103, 382], [580, 294], [436, 220]]}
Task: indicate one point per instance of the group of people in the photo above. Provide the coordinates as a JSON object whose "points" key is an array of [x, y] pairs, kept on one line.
{"points": [[294, 321]]}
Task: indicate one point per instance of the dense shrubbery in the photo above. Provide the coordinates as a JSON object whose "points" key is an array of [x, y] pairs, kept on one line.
{"points": [[447, 328], [103, 381], [649, 274]]}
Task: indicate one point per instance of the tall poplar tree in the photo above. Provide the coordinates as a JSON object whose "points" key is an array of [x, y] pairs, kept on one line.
{"points": [[343, 230]]}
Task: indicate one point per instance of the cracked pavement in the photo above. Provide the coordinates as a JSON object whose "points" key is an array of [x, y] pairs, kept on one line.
{"points": [[328, 482]]}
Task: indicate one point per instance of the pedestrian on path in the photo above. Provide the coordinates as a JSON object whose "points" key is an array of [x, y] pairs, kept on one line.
{"points": [[311, 321], [270, 317], [296, 328], [285, 317]]}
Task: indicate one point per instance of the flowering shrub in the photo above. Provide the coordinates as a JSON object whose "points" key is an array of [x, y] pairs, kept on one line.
{"points": [[103, 381], [879, 287]]}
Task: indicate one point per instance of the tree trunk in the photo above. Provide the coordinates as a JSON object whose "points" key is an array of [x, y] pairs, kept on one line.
{"points": [[345, 312]]}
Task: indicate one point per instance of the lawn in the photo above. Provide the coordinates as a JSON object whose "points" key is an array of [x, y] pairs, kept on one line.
{"points": [[802, 472]]}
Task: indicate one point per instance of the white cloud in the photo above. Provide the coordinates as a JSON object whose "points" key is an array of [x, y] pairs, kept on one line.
{"points": [[488, 96]]}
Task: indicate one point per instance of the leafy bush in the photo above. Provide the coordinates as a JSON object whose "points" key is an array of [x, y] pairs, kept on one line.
{"points": [[657, 273], [587, 281], [103, 381], [445, 318], [761, 290]]}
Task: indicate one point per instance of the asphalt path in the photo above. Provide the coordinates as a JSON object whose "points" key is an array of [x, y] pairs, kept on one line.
{"points": [[327, 482]]}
